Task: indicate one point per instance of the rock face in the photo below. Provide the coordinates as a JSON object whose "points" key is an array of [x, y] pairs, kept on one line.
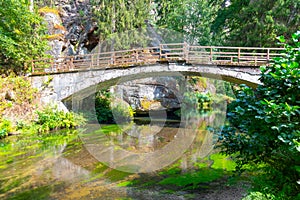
{"points": [[144, 95], [56, 32], [70, 28], [76, 17]]}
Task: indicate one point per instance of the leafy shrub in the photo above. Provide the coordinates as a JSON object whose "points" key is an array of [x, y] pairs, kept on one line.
{"points": [[21, 98], [5, 127], [109, 111], [198, 99], [264, 125], [52, 119], [21, 36], [102, 104], [122, 112]]}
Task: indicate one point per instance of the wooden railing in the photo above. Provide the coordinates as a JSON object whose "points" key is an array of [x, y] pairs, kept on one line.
{"points": [[180, 52]]}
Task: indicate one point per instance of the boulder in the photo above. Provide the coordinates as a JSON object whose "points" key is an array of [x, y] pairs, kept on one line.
{"points": [[148, 94]]}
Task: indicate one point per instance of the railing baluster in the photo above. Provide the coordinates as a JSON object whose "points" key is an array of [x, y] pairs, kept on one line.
{"points": [[268, 56], [32, 66], [160, 50], [185, 52], [239, 55], [211, 54]]}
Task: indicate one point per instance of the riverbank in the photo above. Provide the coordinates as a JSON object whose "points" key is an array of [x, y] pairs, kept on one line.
{"points": [[21, 109]]}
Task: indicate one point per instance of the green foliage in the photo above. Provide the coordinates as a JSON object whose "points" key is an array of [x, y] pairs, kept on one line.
{"points": [[102, 106], [119, 16], [5, 127], [21, 33], [15, 100], [264, 124], [199, 99], [122, 112], [259, 196], [256, 23], [109, 111], [16, 84], [190, 17], [52, 119], [222, 162]]}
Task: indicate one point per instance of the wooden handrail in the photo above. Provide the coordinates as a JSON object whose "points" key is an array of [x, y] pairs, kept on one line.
{"points": [[222, 55]]}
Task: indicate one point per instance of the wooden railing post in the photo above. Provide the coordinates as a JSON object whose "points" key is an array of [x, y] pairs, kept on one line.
{"points": [[113, 59], [160, 50], [186, 52], [72, 62], [136, 56], [92, 62], [211, 54], [239, 55], [32, 66], [268, 56]]}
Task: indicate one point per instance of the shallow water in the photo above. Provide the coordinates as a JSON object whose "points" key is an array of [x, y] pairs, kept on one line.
{"points": [[156, 160]]}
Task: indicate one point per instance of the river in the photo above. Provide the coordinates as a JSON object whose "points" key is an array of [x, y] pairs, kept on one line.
{"points": [[167, 159]]}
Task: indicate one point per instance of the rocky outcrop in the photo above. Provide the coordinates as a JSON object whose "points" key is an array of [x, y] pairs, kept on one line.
{"points": [[70, 27], [77, 19], [56, 32], [157, 93]]}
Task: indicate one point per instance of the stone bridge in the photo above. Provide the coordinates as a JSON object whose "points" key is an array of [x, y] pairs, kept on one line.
{"points": [[80, 84], [61, 78]]}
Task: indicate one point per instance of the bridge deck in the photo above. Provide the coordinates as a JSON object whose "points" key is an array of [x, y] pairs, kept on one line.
{"points": [[179, 52]]}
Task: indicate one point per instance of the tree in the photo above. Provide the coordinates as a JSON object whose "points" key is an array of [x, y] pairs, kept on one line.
{"points": [[264, 124], [21, 33], [190, 17], [118, 16], [256, 23]]}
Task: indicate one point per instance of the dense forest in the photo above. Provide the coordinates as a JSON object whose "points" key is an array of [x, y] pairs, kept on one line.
{"points": [[263, 131]]}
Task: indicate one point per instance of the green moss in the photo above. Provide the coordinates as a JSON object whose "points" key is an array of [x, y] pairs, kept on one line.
{"points": [[115, 175], [201, 165], [192, 180], [125, 184], [110, 128], [36, 193], [172, 170], [222, 162]]}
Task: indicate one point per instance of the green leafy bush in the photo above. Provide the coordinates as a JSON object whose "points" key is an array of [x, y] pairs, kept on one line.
{"points": [[265, 128], [102, 106], [52, 119], [21, 33], [122, 112], [19, 97], [5, 127], [109, 111], [198, 99]]}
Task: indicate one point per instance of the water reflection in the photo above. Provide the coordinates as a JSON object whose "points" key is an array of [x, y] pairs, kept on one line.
{"points": [[61, 166], [146, 148]]}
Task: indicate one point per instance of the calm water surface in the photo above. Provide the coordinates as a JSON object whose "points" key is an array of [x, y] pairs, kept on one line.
{"points": [[142, 160]]}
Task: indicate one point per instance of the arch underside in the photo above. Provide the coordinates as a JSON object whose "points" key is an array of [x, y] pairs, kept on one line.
{"points": [[115, 76]]}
